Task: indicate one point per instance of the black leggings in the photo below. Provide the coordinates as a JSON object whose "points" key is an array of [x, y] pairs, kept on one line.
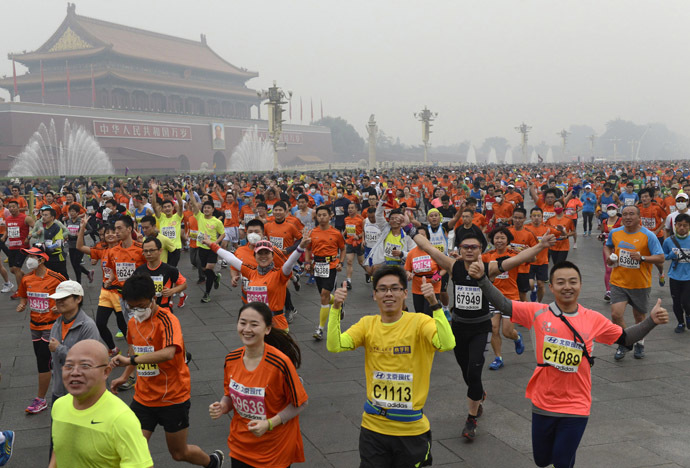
{"points": [[75, 257], [210, 278], [680, 294], [102, 316], [587, 221], [422, 305], [43, 356], [471, 343], [558, 256], [555, 439]]}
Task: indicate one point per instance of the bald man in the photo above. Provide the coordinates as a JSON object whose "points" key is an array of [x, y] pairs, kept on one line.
{"points": [[90, 412]]}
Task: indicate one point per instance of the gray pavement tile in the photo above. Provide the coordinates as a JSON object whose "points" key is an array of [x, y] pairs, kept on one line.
{"points": [[620, 454]]}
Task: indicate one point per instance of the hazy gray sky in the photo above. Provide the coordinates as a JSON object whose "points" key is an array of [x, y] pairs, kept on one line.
{"points": [[484, 66]]}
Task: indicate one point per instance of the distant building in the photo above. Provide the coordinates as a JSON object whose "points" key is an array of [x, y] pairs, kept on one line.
{"points": [[156, 103]]}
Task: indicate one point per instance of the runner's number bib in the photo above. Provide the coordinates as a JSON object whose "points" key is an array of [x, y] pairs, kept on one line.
{"points": [[146, 370], [158, 284], [468, 297], [564, 355], [421, 264], [277, 242], [124, 270], [38, 302], [626, 261], [392, 389], [322, 269], [257, 294], [248, 401], [169, 232]]}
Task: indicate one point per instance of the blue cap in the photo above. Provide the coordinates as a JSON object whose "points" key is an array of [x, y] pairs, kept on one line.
{"points": [[248, 194]]}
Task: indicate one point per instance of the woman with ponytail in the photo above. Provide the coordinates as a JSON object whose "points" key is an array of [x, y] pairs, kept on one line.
{"points": [[265, 392]]}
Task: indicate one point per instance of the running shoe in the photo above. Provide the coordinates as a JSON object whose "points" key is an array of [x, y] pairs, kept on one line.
{"points": [[533, 294], [496, 364], [367, 278], [469, 432], [14, 296], [6, 447], [36, 406], [318, 334], [575, 246], [183, 299], [680, 328], [217, 459], [131, 380], [638, 353], [295, 281], [119, 334], [187, 357], [662, 280], [620, 353], [607, 296], [216, 282], [91, 275], [7, 287], [290, 315], [519, 345], [349, 285], [311, 281], [206, 299], [114, 352]]}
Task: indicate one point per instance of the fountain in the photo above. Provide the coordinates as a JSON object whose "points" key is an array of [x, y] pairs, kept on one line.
{"points": [[77, 154], [508, 158], [252, 153], [549, 155], [471, 156], [534, 158], [492, 157]]}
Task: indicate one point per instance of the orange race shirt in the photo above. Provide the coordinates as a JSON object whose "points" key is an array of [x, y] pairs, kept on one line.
{"points": [[36, 290], [354, 227], [282, 235], [563, 243], [123, 261], [99, 254], [564, 386], [259, 395], [630, 273], [503, 211], [505, 282], [231, 213], [270, 289], [327, 243], [522, 239], [538, 233], [652, 217], [547, 210], [165, 383], [422, 265]]}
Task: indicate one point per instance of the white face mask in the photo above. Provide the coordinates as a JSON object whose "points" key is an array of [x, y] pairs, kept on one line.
{"points": [[312, 190], [140, 313], [681, 206], [32, 263], [499, 199], [253, 237], [340, 195], [611, 213]]}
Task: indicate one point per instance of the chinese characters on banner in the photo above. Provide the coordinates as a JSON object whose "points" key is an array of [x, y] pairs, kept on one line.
{"points": [[285, 137], [143, 130]]}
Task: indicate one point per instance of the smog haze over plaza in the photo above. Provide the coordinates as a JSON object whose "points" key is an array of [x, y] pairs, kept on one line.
{"points": [[485, 67]]}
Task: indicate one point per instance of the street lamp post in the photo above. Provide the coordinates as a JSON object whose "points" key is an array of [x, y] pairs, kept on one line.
{"points": [[275, 96], [372, 131], [524, 129], [426, 117]]}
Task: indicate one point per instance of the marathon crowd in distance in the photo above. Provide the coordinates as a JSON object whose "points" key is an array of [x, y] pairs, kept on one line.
{"points": [[475, 250]]}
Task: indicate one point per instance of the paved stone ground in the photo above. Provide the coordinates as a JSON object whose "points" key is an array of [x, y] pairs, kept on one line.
{"points": [[639, 415]]}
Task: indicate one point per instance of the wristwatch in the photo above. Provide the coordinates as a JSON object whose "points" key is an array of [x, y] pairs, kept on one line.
{"points": [[642, 258]]}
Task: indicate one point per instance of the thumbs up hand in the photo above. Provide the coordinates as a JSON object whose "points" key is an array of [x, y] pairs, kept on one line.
{"points": [[659, 314], [476, 270], [427, 289], [339, 296]]}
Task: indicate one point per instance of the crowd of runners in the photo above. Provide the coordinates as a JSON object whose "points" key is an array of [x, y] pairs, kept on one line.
{"points": [[474, 249]]}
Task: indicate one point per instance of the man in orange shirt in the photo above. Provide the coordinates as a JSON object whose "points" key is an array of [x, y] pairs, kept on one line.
{"points": [[354, 234], [163, 390], [502, 209], [21, 201], [231, 220], [514, 197], [539, 268], [34, 291], [282, 234], [328, 252], [652, 216], [522, 239]]}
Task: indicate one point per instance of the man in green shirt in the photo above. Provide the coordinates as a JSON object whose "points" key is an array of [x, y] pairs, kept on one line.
{"points": [[91, 413]]}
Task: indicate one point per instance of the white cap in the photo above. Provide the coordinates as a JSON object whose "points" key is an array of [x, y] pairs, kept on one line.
{"points": [[682, 195], [588, 186], [108, 193], [67, 288]]}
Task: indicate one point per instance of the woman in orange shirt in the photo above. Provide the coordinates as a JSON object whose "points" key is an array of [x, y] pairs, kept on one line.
{"points": [[263, 388], [559, 252], [420, 265]]}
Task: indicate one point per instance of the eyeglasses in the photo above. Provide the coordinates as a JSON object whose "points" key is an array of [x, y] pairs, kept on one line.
{"points": [[469, 246], [385, 290], [150, 251], [84, 367]]}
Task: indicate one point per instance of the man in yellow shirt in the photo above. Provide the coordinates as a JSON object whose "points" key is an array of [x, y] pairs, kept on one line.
{"points": [[91, 413], [399, 351]]}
